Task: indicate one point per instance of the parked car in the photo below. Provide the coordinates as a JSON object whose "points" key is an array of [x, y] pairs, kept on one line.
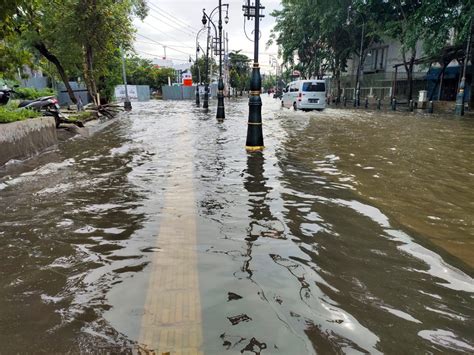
{"points": [[305, 95]]}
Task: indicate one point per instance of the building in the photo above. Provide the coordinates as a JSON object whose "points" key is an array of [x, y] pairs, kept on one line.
{"points": [[383, 75]]}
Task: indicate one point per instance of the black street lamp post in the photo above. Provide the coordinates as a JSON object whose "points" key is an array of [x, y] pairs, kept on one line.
{"points": [[220, 115], [218, 35], [197, 65], [254, 128]]}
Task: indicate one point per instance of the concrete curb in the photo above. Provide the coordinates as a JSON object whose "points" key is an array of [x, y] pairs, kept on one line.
{"points": [[23, 139]]}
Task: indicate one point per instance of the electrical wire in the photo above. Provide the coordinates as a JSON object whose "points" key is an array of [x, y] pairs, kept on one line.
{"points": [[161, 32], [184, 23], [157, 56], [172, 21], [170, 25], [174, 45], [163, 45]]}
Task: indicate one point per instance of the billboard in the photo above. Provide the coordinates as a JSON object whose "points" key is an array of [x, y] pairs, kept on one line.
{"points": [[120, 92], [187, 79]]}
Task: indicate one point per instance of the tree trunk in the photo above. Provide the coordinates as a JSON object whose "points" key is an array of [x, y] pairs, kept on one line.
{"points": [[41, 47], [89, 73], [409, 70], [439, 83], [338, 80]]}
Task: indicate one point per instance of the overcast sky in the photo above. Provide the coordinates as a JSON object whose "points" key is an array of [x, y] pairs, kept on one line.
{"points": [[174, 23]]}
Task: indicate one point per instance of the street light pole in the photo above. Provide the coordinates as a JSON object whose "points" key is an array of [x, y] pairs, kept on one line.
{"points": [[254, 129], [220, 115], [205, 103], [460, 97], [359, 68], [127, 105], [197, 66]]}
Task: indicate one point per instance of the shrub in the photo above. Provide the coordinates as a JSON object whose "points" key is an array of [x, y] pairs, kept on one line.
{"points": [[32, 93]]}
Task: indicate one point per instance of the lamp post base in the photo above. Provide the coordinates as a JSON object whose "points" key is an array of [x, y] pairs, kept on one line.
{"points": [[220, 101], [205, 102], [127, 105], [254, 128]]}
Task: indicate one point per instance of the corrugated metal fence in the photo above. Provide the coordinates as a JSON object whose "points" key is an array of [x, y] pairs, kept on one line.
{"points": [[79, 89], [184, 92]]}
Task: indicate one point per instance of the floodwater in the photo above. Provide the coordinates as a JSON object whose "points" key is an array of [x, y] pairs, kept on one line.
{"points": [[352, 232]]}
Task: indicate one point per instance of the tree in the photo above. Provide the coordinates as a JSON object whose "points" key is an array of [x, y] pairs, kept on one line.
{"points": [[239, 71], [316, 37], [77, 36], [142, 72], [13, 56], [102, 26], [269, 81], [200, 68], [402, 21]]}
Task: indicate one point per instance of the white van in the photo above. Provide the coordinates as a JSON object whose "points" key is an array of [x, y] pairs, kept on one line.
{"points": [[305, 95]]}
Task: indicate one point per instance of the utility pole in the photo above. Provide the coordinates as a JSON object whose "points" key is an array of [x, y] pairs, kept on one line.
{"points": [[127, 105], [254, 128]]}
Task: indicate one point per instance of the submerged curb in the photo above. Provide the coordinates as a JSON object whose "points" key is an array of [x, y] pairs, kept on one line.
{"points": [[23, 139]]}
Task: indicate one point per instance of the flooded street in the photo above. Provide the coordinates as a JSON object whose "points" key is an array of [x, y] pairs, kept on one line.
{"points": [[353, 232]]}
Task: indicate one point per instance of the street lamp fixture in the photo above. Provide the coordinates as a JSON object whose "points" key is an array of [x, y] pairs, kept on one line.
{"points": [[198, 103], [220, 115], [254, 128]]}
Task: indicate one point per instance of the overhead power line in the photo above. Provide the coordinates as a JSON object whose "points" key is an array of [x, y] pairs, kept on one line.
{"points": [[163, 45], [184, 23], [157, 55], [163, 33], [174, 45], [164, 19]]}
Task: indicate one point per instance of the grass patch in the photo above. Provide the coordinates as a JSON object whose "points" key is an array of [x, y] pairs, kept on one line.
{"points": [[10, 114]]}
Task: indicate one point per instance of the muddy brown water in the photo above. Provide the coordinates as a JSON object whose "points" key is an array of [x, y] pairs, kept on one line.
{"points": [[352, 232]]}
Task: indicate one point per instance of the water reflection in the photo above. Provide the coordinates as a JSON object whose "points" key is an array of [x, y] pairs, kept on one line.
{"points": [[298, 254]]}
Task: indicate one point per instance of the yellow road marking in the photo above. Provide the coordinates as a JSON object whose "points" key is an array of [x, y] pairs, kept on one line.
{"points": [[171, 323]]}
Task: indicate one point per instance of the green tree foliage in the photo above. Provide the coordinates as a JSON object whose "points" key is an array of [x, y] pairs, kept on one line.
{"points": [[12, 57], [79, 37], [322, 35], [239, 71], [200, 68], [269, 81], [142, 72], [319, 36]]}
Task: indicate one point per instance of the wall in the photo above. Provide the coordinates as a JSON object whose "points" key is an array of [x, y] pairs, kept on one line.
{"points": [[23, 139], [40, 82], [185, 92], [79, 89]]}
